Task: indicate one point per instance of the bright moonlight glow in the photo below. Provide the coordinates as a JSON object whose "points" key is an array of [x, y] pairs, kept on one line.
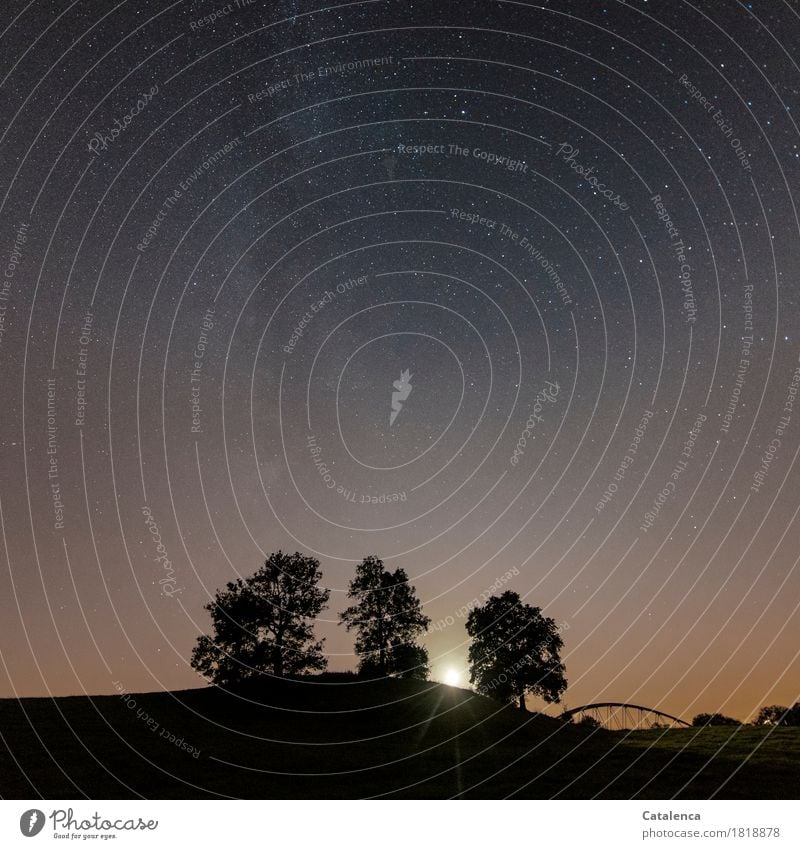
{"points": [[452, 677]]}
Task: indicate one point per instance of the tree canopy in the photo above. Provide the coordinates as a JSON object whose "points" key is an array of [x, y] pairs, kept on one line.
{"points": [[714, 719], [264, 623], [515, 651], [388, 619], [779, 715]]}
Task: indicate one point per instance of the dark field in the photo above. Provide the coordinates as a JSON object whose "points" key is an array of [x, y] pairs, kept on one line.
{"points": [[356, 739]]}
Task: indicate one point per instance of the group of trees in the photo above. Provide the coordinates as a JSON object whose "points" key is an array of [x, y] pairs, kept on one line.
{"points": [[264, 624], [779, 715], [703, 719], [768, 715]]}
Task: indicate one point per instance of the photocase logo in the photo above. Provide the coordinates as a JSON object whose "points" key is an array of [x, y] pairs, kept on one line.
{"points": [[403, 387], [31, 822]]}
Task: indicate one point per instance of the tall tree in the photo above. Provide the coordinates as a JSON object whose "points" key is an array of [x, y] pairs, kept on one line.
{"points": [[388, 619], [515, 651], [264, 623]]}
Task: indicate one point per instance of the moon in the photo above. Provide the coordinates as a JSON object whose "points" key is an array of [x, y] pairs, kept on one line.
{"points": [[452, 677]]}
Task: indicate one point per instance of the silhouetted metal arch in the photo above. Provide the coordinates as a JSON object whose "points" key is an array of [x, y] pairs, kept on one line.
{"points": [[596, 705]]}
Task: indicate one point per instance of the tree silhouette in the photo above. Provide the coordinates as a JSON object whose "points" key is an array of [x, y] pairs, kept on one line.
{"points": [[714, 719], [779, 715], [264, 623], [388, 620], [514, 651]]}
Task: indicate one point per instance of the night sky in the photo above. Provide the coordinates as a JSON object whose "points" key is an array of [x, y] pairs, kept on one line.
{"points": [[227, 231]]}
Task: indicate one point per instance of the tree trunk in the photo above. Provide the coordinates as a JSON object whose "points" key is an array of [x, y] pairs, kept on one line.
{"points": [[278, 651], [381, 647], [522, 701]]}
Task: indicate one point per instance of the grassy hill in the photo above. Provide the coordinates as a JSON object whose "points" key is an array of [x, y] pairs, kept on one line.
{"points": [[351, 739]]}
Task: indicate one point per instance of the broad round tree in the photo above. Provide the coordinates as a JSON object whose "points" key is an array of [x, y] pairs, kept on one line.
{"points": [[515, 651], [264, 623]]}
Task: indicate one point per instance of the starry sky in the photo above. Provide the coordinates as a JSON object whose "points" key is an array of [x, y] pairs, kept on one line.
{"points": [[228, 230]]}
